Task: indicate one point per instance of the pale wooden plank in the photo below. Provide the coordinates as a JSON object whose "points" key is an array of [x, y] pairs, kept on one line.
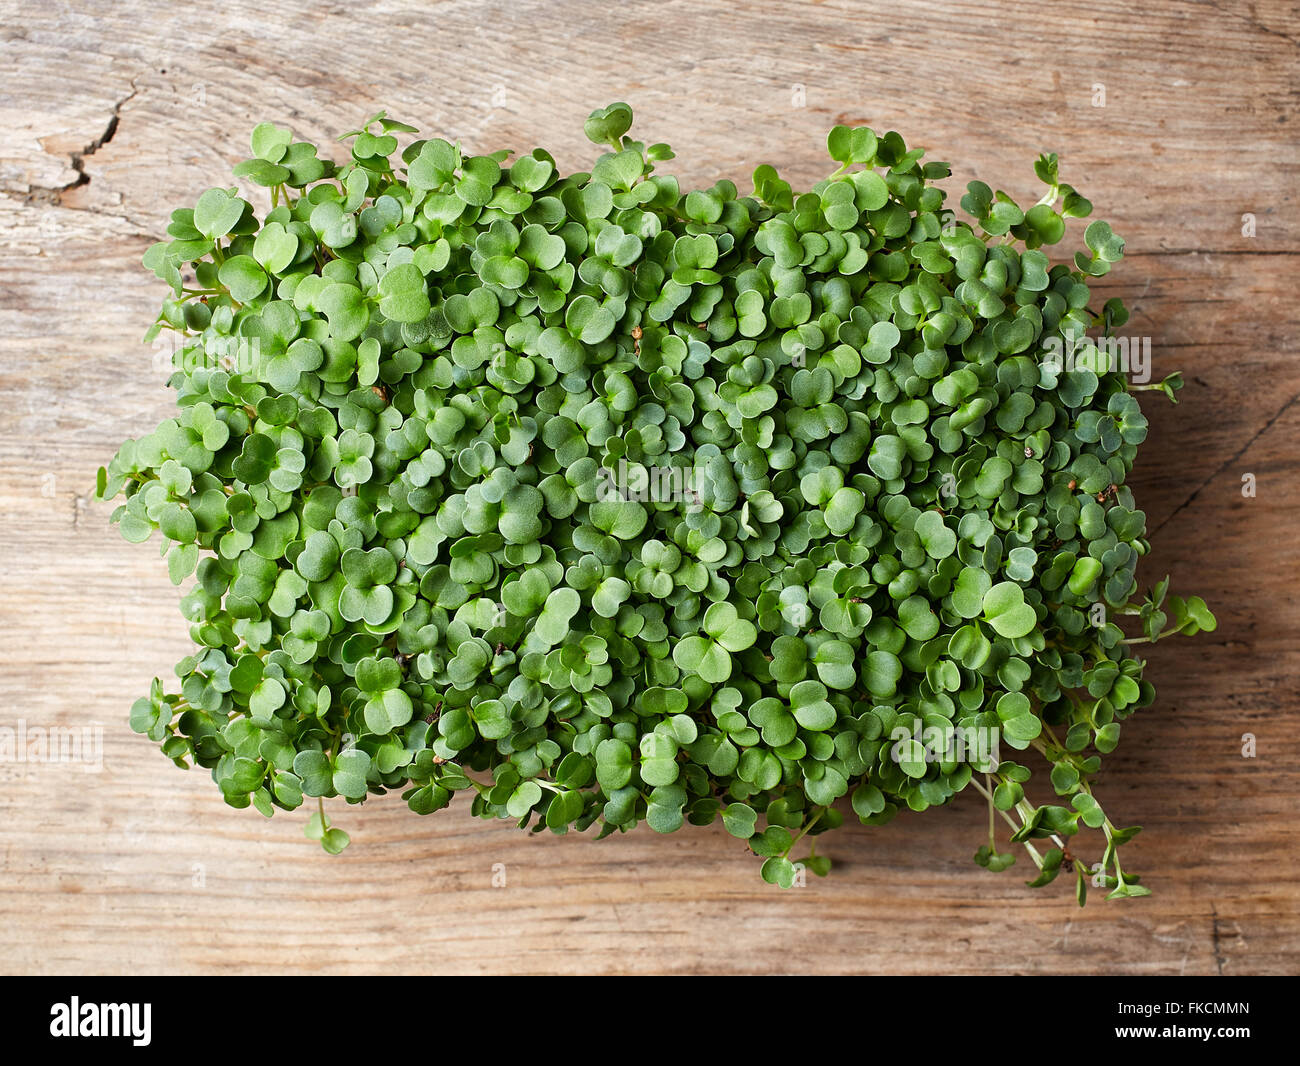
{"points": [[97, 872]]}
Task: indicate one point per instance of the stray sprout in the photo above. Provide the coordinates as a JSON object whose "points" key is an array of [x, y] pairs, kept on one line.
{"points": [[603, 503]]}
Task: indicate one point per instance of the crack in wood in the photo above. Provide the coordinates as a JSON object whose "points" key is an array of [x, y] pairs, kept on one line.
{"points": [[1218, 948], [1254, 22], [78, 159], [1209, 252], [1226, 463]]}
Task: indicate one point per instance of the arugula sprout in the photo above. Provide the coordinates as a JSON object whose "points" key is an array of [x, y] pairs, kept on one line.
{"points": [[604, 502]]}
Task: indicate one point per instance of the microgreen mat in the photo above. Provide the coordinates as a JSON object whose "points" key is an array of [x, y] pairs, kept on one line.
{"points": [[592, 502]]}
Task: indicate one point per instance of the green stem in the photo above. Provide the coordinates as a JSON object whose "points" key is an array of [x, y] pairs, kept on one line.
{"points": [[804, 831], [1033, 851]]}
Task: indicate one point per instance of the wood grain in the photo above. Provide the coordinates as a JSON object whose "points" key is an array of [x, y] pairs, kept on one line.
{"points": [[112, 114]]}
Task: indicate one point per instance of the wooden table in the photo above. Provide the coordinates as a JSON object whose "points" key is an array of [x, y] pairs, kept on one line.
{"points": [[115, 113]]}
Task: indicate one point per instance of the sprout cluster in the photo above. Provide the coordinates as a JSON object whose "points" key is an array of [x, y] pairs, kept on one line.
{"points": [[603, 503]]}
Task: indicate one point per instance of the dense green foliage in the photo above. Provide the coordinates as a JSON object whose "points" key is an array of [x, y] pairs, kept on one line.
{"points": [[606, 503]]}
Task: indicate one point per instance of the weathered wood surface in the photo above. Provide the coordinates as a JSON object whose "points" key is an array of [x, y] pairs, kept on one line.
{"points": [[111, 114]]}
